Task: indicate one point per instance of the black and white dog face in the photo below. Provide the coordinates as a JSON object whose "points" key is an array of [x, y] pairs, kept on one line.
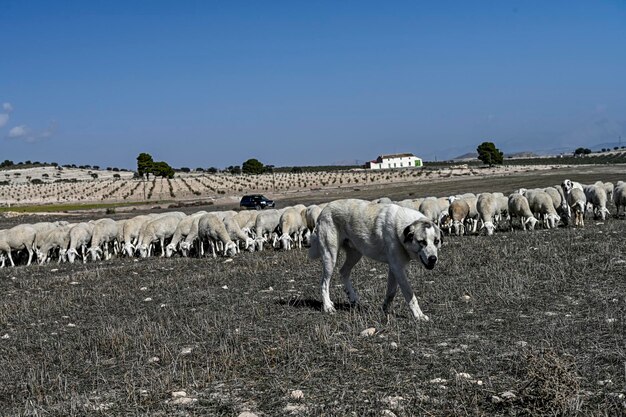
{"points": [[422, 240], [567, 185]]}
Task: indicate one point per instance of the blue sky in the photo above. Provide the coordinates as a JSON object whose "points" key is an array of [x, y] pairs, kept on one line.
{"points": [[210, 83]]}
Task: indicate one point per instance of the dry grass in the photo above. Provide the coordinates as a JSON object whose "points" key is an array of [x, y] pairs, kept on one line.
{"points": [[539, 315], [82, 338]]}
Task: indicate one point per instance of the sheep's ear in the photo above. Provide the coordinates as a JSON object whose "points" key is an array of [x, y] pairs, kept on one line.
{"points": [[409, 233]]}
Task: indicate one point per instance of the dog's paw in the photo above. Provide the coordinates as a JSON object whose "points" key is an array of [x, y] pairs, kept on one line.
{"points": [[422, 317], [330, 309]]}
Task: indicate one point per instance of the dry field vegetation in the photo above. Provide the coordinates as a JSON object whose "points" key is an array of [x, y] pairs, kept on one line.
{"points": [[522, 323]]}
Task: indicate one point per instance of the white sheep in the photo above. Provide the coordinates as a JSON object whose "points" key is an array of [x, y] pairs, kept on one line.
{"points": [[191, 238], [245, 219], [292, 224], [237, 235], [52, 239], [17, 238], [596, 196], [577, 202], [487, 207], [502, 210], [431, 209], [312, 213], [80, 237], [104, 233], [518, 207], [157, 230], [182, 231], [212, 230], [265, 225], [543, 205], [457, 213], [131, 230], [619, 197]]}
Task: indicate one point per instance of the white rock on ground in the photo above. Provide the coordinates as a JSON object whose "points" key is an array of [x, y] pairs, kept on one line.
{"points": [[297, 395], [368, 332]]}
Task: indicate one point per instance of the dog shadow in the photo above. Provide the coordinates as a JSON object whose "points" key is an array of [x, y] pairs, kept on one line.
{"points": [[312, 304]]}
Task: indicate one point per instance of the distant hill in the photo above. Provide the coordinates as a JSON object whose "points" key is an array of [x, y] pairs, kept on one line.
{"points": [[466, 156]]}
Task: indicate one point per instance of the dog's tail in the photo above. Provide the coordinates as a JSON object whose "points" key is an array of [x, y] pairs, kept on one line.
{"points": [[314, 250]]}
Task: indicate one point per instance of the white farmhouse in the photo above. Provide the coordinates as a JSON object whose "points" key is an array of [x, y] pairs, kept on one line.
{"points": [[397, 160]]}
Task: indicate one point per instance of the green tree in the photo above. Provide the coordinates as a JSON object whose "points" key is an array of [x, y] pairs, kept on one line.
{"points": [[252, 166], [144, 164], [162, 169], [489, 154]]}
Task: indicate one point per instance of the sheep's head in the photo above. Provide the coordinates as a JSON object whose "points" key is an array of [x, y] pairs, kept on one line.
{"points": [[72, 253], [250, 243], [230, 249], [260, 241], [143, 250], [286, 241], [170, 249], [129, 249], [95, 253], [185, 247], [532, 222], [489, 228]]}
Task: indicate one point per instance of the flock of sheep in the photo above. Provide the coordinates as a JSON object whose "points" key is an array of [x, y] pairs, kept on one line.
{"points": [[228, 232]]}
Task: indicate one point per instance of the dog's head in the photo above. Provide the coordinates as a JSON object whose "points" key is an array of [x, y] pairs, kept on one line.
{"points": [[567, 185], [422, 239]]}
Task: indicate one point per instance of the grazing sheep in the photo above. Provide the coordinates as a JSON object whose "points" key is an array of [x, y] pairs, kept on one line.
{"points": [[556, 194], [502, 211], [608, 189], [80, 237], [266, 223], [245, 219], [472, 217], [212, 230], [619, 197], [431, 209], [543, 205], [131, 230], [182, 231], [487, 207], [382, 200], [17, 238], [104, 232], [191, 238], [237, 235], [312, 213], [577, 201], [292, 224], [596, 196], [57, 238], [159, 229], [457, 213], [518, 207]]}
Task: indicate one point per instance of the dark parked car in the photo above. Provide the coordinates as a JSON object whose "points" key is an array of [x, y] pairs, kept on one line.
{"points": [[256, 201]]}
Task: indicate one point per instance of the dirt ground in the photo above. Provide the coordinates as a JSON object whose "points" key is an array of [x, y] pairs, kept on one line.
{"points": [[522, 323]]}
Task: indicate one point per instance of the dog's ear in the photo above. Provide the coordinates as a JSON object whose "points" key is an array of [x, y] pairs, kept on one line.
{"points": [[409, 233]]}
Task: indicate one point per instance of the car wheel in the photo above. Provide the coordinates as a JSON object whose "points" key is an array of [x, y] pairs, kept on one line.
{"points": [[258, 207]]}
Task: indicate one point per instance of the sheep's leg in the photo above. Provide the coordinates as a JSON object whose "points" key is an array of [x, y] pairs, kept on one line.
{"points": [[329, 259], [30, 255], [212, 243], [162, 247], [10, 257], [352, 257], [399, 270]]}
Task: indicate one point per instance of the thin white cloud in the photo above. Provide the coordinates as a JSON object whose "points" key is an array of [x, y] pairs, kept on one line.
{"points": [[4, 119], [19, 132], [7, 107], [26, 134]]}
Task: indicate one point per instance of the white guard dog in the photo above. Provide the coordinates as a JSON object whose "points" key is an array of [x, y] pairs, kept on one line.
{"points": [[384, 232]]}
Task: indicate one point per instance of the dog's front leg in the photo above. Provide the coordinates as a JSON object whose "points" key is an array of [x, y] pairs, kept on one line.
{"points": [[400, 273]]}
